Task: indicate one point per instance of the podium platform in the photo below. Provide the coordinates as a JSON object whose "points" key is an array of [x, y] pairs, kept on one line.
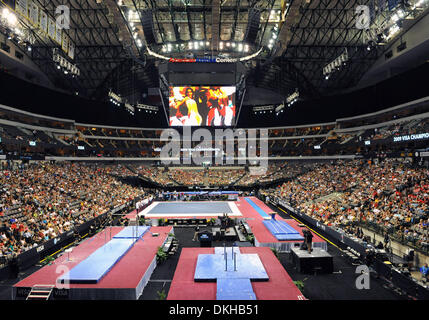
{"points": [[319, 261]]}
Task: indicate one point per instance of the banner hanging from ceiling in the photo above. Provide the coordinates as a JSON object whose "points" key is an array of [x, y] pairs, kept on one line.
{"points": [[21, 7], [38, 18], [33, 13]]}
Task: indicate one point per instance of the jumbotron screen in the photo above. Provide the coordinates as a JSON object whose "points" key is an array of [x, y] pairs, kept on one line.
{"points": [[202, 106]]}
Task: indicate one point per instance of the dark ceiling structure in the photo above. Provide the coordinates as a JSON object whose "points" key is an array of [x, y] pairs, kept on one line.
{"points": [[120, 43]]}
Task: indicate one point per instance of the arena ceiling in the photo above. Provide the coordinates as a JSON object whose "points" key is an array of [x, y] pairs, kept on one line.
{"points": [[298, 39]]}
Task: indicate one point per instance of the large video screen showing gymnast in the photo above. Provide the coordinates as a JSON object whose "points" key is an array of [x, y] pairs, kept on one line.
{"points": [[202, 106]]}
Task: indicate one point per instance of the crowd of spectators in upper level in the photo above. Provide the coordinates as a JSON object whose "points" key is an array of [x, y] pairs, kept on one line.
{"points": [[301, 131], [84, 140], [403, 128]]}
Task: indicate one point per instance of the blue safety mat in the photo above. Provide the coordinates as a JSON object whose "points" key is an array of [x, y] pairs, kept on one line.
{"points": [[282, 231], [132, 232], [234, 289], [191, 208], [214, 266], [257, 208], [94, 267]]}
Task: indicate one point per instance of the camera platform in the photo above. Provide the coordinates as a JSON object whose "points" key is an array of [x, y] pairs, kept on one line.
{"points": [[319, 261]]}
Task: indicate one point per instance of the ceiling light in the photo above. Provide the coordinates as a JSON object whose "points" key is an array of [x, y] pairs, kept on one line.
{"points": [[11, 18]]}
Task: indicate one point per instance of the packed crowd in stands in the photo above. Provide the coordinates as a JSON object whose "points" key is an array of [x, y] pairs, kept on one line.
{"points": [[40, 201], [219, 177], [187, 177], [275, 171], [224, 177], [154, 174], [390, 194]]}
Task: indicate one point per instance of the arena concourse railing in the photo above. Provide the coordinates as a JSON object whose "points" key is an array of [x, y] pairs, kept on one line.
{"points": [[345, 136], [419, 105], [10, 115], [406, 240]]}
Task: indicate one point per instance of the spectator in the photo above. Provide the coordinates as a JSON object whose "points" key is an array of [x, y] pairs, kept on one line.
{"points": [[424, 271]]}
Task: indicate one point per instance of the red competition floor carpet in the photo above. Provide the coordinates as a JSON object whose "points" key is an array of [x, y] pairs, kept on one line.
{"points": [[279, 287], [254, 220], [126, 273], [132, 215]]}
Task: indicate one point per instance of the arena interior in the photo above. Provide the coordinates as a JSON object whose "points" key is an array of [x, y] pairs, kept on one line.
{"points": [[216, 150]]}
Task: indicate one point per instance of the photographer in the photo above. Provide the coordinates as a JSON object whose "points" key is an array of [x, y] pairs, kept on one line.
{"points": [[197, 231], [424, 271], [369, 257], [308, 239], [386, 240]]}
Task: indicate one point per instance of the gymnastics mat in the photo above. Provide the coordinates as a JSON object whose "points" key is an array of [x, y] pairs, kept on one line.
{"points": [[282, 231]]}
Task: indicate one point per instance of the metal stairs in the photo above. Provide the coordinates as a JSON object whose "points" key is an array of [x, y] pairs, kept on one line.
{"points": [[40, 292]]}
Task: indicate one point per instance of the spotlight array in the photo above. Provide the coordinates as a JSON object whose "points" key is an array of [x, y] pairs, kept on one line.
{"points": [[293, 98], [202, 45], [231, 46], [8, 18], [9, 21], [382, 32], [336, 64], [146, 108], [131, 17], [280, 109], [131, 109], [270, 109], [115, 99], [64, 65]]}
